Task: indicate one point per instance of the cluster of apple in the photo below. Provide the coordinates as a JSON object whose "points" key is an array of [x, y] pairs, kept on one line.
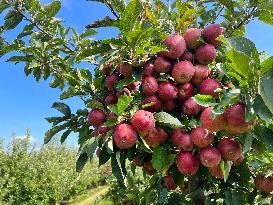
{"points": [[186, 65]]}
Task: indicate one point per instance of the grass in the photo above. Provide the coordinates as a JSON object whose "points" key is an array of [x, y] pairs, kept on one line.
{"points": [[88, 194], [105, 202]]}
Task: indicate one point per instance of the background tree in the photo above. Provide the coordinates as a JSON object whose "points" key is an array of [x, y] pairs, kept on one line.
{"points": [[50, 50]]}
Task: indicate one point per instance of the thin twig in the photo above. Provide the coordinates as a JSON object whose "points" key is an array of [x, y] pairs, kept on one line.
{"points": [[40, 28], [112, 10], [244, 20]]}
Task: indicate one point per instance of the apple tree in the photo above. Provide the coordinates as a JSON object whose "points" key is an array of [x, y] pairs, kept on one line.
{"points": [[180, 93]]}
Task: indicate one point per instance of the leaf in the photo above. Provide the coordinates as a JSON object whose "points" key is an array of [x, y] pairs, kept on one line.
{"points": [[55, 119], [241, 64], [243, 55], [160, 158], [50, 10], [12, 19], [65, 135], [111, 122], [144, 145], [53, 131], [168, 120], [81, 161], [113, 108], [162, 195], [226, 99], [116, 170], [18, 59], [70, 92], [266, 88], [130, 15], [105, 22], [248, 142], [28, 29], [267, 64], [123, 156], [265, 136], [225, 169], [63, 108], [233, 198], [3, 6], [124, 82], [94, 104], [104, 156], [90, 147], [123, 102], [244, 45], [265, 16], [88, 33], [262, 111], [205, 100]]}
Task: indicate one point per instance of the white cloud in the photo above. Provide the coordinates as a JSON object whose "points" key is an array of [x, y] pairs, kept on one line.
{"points": [[31, 138]]}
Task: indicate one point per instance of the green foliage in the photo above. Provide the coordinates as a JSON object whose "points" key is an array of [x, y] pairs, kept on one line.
{"points": [[38, 175], [167, 120]]}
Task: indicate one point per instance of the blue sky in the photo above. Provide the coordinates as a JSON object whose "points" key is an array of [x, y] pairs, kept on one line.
{"points": [[24, 103]]}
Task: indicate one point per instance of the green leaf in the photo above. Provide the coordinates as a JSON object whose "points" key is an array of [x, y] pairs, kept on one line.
{"points": [[130, 15], [265, 136], [226, 99], [88, 33], [267, 64], [233, 198], [266, 88], [124, 82], [63, 108], [104, 156], [144, 145], [105, 22], [65, 135], [160, 158], [12, 19], [3, 6], [123, 157], [244, 56], [241, 64], [205, 100], [113, 108], [53, 131], [116, 169], [265, 16], [50, 10], [94, 104], [28, 29], [123, 102], [18, 59], [167, 120], [81, 161], [162, 195], [111, 122], [89, 147], [55, 119], [225, 169], [70, 92], [248, 142], [243, 45], [262, 111]]}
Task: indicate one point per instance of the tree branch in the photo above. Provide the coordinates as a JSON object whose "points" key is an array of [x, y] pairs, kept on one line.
{"points": [[112, 9], [243, 21], [39, 27]]}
